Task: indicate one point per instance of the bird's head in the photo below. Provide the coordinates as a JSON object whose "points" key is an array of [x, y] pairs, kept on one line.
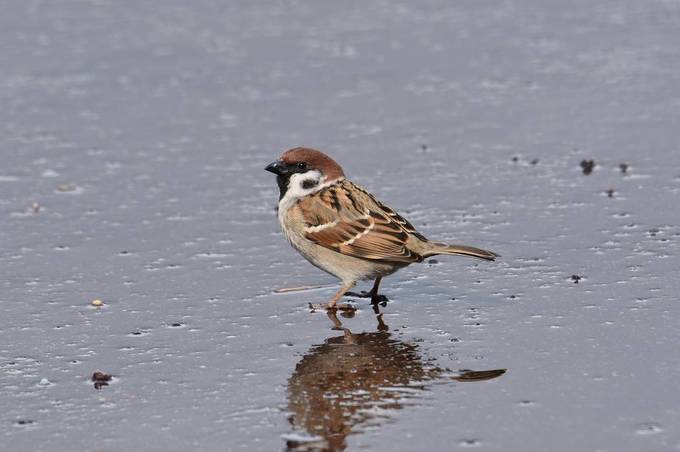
{"points": [[302, 171]]}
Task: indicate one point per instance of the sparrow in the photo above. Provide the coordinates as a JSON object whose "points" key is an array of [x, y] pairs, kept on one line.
{"points": [[343, 229]]}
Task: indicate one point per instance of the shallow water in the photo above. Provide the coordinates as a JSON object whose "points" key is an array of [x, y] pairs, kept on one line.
{"points": [[133, 141]]}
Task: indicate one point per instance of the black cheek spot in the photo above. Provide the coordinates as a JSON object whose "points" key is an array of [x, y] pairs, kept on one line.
{"points": [[309, 183]]}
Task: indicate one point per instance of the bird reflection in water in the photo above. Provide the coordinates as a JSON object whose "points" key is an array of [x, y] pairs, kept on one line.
{"points": [[352, 381]]}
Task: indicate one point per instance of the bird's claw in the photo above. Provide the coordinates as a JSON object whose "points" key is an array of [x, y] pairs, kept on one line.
{"points": [[375, 298]]}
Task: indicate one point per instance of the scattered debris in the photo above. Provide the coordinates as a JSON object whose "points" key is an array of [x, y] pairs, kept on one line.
{"points": [[587, 166], [469, 443], [478, 375], [576, 278], [25, 422], [101, 379], [97, 303], [299, 288], [65, 188]]}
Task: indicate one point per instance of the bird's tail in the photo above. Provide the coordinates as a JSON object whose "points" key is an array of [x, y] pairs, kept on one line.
{"points": [[462, 250]]}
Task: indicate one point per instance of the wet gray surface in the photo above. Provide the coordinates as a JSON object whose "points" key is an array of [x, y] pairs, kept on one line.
{"points": [[141, 130]]}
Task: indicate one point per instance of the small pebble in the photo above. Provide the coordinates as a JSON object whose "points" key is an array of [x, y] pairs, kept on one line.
{"points": [[101, 376], [97, 303], [649, 429], [576, 278], [65, 188], [587, 166], [624, 168], [25, 422], [101, 379], [45, 382], [469, 443], [36, 207], [610, 193]]}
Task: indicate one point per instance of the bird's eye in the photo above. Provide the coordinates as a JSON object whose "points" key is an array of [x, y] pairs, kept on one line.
{"points": [[301, 165]]}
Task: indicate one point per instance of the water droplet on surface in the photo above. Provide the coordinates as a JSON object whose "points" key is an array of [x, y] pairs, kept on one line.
{"points": [[648, 428], [469, 443]]}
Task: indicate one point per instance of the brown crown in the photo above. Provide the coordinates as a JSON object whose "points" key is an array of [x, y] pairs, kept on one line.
{"points": [[315, 160]]}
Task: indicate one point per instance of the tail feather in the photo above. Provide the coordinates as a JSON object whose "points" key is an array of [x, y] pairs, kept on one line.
{"points": [[443, 248]]}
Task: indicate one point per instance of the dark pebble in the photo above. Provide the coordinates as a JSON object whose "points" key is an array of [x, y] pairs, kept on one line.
{"points": [[587, 166], [100, 379], [25, 422]]}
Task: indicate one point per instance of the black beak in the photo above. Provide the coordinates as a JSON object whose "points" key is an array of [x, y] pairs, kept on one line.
{"points": [[277, 167]]}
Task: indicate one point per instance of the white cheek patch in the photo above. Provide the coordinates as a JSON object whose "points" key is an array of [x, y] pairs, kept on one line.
{"points": [[298, 182]]}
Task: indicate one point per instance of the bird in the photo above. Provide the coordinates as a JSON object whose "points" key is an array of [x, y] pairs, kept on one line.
{"points": [[343, 229]]}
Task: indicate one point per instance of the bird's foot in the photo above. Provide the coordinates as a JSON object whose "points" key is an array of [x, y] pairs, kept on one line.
{"points": [[376, 298], [379, 299], [362, 294], [342, 307]]}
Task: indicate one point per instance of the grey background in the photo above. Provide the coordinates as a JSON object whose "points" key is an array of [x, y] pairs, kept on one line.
{"points": [[141, 129]]}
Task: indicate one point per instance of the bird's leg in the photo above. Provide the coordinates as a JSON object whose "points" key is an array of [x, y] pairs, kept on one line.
{"points": [[375, 296], [345, 287], [372, 294]]}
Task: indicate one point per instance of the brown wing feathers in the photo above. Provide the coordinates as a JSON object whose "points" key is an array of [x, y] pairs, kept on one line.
{"points": [[375, 233]]}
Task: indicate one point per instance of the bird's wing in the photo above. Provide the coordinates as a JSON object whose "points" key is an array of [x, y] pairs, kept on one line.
{"points": [[346, 218]]}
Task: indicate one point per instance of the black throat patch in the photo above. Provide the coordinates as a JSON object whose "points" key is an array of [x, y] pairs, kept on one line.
{"points": [[282, 180]]}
